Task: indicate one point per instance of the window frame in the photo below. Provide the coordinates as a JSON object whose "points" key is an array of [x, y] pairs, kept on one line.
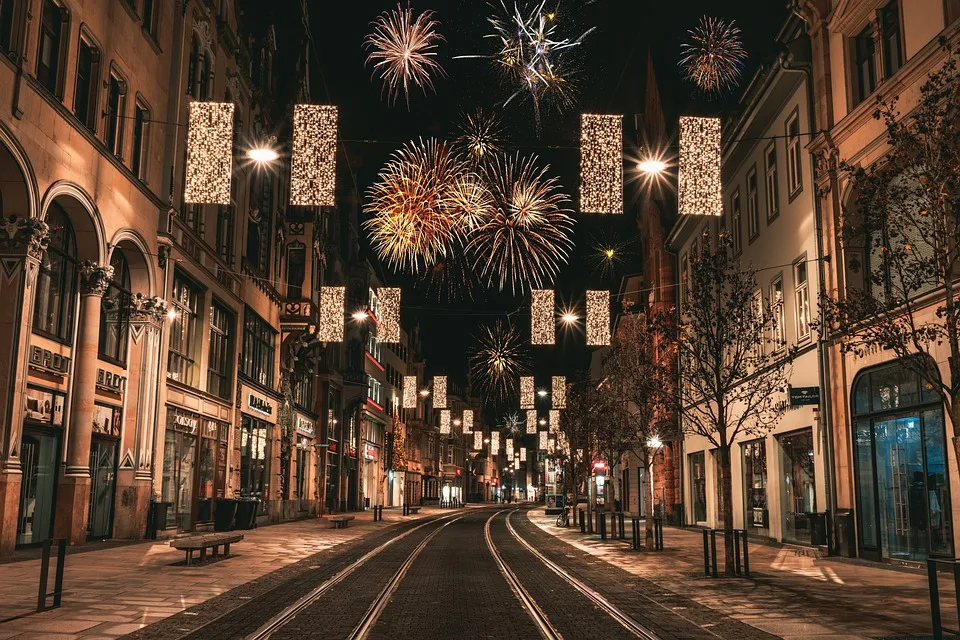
{"points": [[220, 351], [885, 50], [113, 133], [187, 352], [794, 156], [58, 65], [736, 221], [753, 205], [139, 152], [771, 181], [864, 56], [778, 309], [8, 27], [802, 309], [120, 285], [92, 94], [259, 349], [68, 282]]}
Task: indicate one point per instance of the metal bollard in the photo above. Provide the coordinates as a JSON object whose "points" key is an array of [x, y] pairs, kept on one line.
{"points": [[603, 526], [583, 521], [621, 533], [635, 522], [42, 594], [706, 553], [658, 534]]}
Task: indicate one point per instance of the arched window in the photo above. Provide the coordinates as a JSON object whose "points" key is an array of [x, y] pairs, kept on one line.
{"points": [[193, 63], [204, 72], [115, 312], [56, 294]]}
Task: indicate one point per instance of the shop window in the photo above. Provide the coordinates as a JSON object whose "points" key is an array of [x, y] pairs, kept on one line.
{"points": [[801, 294], [54, 27], [221, 351], [141, 128], [86, 94], [864, 64], [56, 289], [798, 487], [259, 338], [698, 486], [184, 353], [755, 483], [890, 29], [296, 270], [753, 205], [254, 457], [115, 312], [773, 189]]}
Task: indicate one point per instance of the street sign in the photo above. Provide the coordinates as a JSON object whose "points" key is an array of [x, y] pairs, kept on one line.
{"points": [[800, 396]]}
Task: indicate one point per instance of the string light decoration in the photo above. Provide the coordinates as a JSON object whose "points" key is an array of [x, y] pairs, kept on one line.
{"points": [[495, 442], [559, 388], [509, 447], [598, 318], [209, 153], [554, 420], [542, 321], [601, 163], [313, 167], [699, 187], [551, 446], [444, 421], [477, 440], [563, 445], [526, 392], [531, 421], [542, 441], [440, 392], [388, 329], [332, 300], [410, 392], [467, 420], [523, 454]]}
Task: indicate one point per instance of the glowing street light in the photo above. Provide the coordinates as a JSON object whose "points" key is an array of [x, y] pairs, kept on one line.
{"points": [[569, 317], [263, 154], [652, 166], [424, 393], [654, 442], [542, 393], [360, 316]]}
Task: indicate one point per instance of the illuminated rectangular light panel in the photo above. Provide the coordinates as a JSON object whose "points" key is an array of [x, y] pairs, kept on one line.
{"points": [[209, 153], [445, 421], [477, 440], [551, 446], [467, 420], [313, 167], [601, 163], [542, 318], [554, 420], [527, 392], [523, 455], [509, 447], [332, 301], [495, 442], [388, 329], [598, 318], [559, 392], [410, 392], [531, 421], [440, 392], [699, 186], [542, 441]]}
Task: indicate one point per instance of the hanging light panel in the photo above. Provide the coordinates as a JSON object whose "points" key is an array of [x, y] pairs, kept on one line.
{"points": [[542, 318], [542, 441], [509, 447], [559, 392], [601, 163], [523, 454], [313, 167], [332, 301], [495, 442], [598, 318], [531, 421], [699, 186], [209, 153], [410, 392], [440, 392], [445, 421], [554, 420], [527, 392], [388, 329], [477, 440], [467, 420]]}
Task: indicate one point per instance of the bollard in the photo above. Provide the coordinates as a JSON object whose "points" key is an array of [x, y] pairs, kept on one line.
{"points": [[706, 553], [42, 594], [603, 526], [658, 534], [621, 533], [583, 521], [635, 522], [713, 550]]}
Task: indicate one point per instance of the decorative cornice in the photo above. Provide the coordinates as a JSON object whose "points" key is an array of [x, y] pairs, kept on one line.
{"points": [[28, 234], [94, 279]]}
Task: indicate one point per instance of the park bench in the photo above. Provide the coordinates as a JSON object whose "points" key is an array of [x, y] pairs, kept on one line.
{"points": [[205, 541], [413, 509], [340, 522]]}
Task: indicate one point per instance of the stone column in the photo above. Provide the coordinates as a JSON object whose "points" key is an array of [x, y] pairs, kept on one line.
{"points": [[73, 497], [22, 243]]}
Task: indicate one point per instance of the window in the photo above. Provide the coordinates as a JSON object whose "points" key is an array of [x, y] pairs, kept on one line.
{"points": [[56, 293], [296, 265], [221, 351], [150, 17], [258, 224], [115, 312], [254, 456], [193, 66], [258, 349], [865, 64], [374, 389], [698, 485], [225, 234], [801, 298], [52, 29], [116, 101], [755, 483], [890, 29], [185, 332], [303, 391], [684, 281], [753, 207], [373, 347], [737, 230], [141, 121], [758, 310], [776, 304], [88, 78], [952, 11], [794, 172], [773, 191], [6, 25], [205, 77]]}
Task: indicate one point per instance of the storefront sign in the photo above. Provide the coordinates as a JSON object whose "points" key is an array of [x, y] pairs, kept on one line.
{"points": [[46, 360], [332, 446], [370, 452], [800, 396], [182, 421], [305, 426], [111, 381], [260, 405]]}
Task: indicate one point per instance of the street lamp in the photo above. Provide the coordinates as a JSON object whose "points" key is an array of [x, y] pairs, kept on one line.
{"points": [[569, 317], [542, 393], [424, 393], [652, 166], [360, 316]]}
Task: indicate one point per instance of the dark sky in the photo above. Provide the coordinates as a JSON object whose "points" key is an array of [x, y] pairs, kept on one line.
{"points": [[611, 66]]}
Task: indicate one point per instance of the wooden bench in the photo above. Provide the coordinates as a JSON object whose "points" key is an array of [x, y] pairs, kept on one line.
{"points": [[340, 522], [205, 541], [412, 509]]}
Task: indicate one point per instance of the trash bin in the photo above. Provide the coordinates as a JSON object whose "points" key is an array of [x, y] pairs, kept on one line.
{"points": [[846, 534], [246, 517], [224, 514], [818, 529], [158, 519]]}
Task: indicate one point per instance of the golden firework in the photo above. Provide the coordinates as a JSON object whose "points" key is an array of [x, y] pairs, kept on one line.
{"points": [[497, 361]]}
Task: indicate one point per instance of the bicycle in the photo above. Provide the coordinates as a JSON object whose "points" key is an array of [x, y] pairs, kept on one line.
{"points": [[563, 520]]}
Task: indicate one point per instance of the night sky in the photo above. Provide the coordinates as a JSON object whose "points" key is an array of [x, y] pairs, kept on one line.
{"points": [[612, 63]]}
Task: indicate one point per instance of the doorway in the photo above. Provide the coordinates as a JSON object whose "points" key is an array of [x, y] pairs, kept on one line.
{"points": [[103, 473], [39, 456]]}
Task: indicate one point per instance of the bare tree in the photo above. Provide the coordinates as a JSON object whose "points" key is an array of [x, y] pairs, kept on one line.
{"points": [[902, 242], [732, 370], [575, 424]]}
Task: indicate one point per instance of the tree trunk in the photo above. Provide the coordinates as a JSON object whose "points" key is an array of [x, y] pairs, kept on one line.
{"points": [[726, 489], [649, 502]]}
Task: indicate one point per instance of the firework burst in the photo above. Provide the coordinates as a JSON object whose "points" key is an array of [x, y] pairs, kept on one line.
{"points": [[608, 253], [416, 206], [403, 51], [512, 425], [498, 361], [481, 136], [527, 235], [714, 58]]}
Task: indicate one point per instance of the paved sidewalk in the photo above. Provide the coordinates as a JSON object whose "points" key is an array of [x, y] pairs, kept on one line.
{"points": [[118, 590], [788, 594]]}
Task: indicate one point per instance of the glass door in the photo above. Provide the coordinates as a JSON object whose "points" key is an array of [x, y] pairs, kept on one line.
{"points": [[103, 460], [178, 465], [38, 457], [901, 487]]}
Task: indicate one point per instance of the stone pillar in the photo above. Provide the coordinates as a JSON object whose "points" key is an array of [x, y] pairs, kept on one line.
{"points": [[73, 497], [22, 243]]}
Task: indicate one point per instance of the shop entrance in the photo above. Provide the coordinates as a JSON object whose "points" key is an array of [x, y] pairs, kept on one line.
{"points": [[179, 453], [103, 473], [39, 454]]}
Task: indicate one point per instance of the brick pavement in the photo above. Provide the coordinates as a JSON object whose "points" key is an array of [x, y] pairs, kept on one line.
{"points": [[117, 591], [789, 594]]}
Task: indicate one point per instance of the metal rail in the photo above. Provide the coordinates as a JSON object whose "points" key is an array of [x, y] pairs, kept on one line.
{"points": [[547, 630], [605, 605]]}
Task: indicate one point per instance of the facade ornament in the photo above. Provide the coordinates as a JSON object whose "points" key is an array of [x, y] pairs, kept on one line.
{"points": [[233, 86], [25, 233], [147, 309], [206, 36], [94, 279]]}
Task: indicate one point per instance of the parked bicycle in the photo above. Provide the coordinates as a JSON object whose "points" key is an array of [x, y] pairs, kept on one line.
{"points": [[563, 520]]}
